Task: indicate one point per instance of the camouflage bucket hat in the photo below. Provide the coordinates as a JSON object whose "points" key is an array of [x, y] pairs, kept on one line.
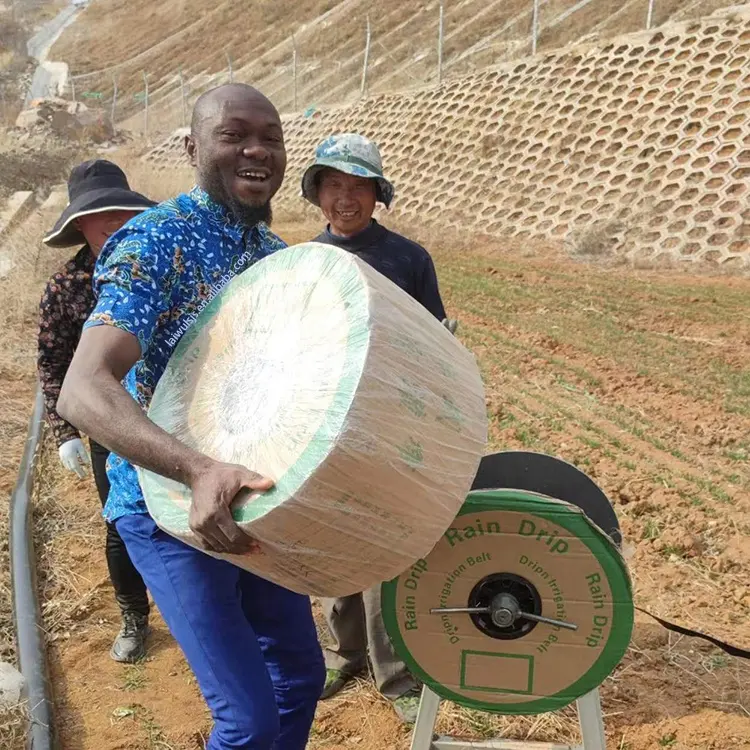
{"points": [[352, 154]]}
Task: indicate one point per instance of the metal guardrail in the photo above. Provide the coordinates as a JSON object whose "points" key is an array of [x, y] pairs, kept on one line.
{"points": [[26, 612]]}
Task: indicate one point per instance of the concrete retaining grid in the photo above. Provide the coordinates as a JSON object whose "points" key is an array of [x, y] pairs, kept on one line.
{"points": [[639, 147], [19, 205], [17, 208]]}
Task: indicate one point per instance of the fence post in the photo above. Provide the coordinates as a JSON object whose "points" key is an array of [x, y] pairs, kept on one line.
{"points": [[231, 72], [145, 109], [534, 26], [114, 99], [73, 88], [650, 16], [182, 97], [440, 42], [367, 59], [294, 69]]}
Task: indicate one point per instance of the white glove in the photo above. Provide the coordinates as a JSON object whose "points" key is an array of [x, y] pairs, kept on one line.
{"points": [[451, 325], [74, 457]]}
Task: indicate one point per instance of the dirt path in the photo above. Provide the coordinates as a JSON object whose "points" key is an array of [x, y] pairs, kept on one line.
{"points": [[641, 379]]}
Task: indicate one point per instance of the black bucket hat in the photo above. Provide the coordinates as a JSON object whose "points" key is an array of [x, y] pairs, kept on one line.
{"points": [[93, 187]]}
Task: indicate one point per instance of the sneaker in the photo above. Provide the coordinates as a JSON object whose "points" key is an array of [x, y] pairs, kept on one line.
{"points": [[336, 681], [130, 644], [407, 705]]}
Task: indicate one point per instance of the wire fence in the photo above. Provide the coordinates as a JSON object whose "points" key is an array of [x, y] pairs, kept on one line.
{"points": [[164, 102]]}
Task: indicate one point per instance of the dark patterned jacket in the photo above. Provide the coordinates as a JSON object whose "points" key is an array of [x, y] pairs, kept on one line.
{"points": [[66, 304], [404, 262]]}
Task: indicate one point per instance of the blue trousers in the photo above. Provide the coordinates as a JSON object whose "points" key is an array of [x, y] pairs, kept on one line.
{"points": [[251, 644]]}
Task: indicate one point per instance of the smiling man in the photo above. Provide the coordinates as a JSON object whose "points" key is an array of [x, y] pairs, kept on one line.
{"points": [[345, 179], [251, 644]]}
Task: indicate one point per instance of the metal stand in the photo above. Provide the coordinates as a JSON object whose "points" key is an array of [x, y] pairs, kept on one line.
{"points": [[589, 716]]}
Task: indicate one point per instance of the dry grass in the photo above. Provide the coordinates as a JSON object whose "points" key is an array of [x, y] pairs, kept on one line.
{"points": [[13, 61], [13, 728], [64, 595], [20, 293], [158, 185], [633, 376], [61, 533], [128, 39]]}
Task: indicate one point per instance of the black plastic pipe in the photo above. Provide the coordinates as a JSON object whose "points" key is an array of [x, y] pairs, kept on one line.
{"points": [[27, 617]]}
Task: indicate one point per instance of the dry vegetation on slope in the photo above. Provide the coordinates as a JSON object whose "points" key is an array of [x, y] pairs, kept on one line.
{"points": [[638, 148], [640, 378], [20, 293], [126, 39]]}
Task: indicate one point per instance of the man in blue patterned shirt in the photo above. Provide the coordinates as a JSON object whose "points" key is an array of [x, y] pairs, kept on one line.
{"points": [[251, 644]]}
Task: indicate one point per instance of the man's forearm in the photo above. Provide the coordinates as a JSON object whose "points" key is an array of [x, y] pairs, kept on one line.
{"points": [[100, 407]]}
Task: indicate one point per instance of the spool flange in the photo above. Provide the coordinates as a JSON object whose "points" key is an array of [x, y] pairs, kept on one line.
{"points": [[550, 476], [550, 562]]}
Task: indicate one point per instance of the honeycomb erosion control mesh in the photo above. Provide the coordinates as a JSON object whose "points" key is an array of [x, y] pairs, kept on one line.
{"points": [[638, 148]]}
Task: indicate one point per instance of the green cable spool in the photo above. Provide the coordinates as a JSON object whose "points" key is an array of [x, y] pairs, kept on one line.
{"points": [[511, 551]]}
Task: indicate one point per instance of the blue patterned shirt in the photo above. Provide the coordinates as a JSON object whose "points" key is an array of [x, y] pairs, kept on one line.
{"points": [[152, 279]]}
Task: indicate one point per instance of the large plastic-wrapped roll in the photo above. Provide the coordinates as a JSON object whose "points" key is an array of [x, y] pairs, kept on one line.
{"points": [[317, 371]]}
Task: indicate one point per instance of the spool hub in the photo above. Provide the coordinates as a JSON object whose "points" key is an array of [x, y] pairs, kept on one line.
{"points": [[506, 595]]}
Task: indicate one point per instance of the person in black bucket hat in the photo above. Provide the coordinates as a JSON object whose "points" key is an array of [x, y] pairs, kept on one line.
{"points": [[100, 202], [95, 188]]}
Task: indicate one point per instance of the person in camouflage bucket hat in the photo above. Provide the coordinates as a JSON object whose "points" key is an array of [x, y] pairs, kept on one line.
{"points": [[349, 153], [345, 180]]}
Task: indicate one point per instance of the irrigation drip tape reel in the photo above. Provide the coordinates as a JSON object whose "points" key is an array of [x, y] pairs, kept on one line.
{"points": [[525, 604], [522, 607]]}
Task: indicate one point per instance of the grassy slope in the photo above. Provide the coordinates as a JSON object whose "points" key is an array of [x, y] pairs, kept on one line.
{"points": [[634, 377], [128, 38]]}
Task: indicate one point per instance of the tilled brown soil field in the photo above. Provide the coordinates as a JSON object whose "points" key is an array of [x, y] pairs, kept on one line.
{"points": [[639, 377]]}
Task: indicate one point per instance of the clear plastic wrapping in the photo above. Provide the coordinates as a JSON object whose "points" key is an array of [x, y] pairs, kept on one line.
{"points": [[315, 370]]}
